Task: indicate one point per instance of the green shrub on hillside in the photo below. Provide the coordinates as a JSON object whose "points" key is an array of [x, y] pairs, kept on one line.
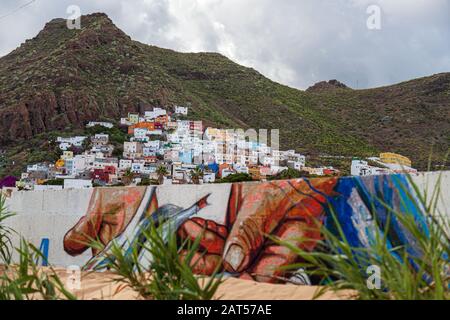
{"points": [[237, 177]]}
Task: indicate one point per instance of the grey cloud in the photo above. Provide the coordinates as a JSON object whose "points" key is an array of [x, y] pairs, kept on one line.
{"points": [[296, 42]]}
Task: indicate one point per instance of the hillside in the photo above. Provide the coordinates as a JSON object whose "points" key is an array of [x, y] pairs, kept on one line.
{"points": [[62, 78]]}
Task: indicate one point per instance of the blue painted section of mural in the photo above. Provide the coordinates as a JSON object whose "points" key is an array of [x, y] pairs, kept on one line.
{"points": [[369, 208], [44, 248]]}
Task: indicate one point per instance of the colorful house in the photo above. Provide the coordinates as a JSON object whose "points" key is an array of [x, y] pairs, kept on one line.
{"points": [[150, 126], [393, 158], [67, 155], [133, 118], [255, 172], [225, 170], [104, 175], [8, 182], [163, 119], [181, 110]]}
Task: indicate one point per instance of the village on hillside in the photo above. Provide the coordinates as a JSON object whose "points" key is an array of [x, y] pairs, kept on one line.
{"points": [[164, 148]]}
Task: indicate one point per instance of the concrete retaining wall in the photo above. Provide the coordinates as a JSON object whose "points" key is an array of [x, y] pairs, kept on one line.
{"points": [[226, 210]]}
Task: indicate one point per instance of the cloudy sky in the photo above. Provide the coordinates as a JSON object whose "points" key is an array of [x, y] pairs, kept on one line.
{"points": [[295, 42]]}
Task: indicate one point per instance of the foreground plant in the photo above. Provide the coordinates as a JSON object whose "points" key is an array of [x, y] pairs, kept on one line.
{"points": [[5, 233], [157, 267], [411, 271], [25, 280]]}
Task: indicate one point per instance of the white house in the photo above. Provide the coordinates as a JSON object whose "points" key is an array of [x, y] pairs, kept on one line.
{"points": [[268, 161], [155, 133], [125, 122], [209, 177], [38, 167], [149, 169], [75, 165], [362, 168], [90, 159], [132, 150], [155, 145], [296, 165], [148, 152], [181, 110], [277, 169], [106, 162], [66, 143], [137, 167], [100, 139], [183, 125], [264, 149], [291, 155], [171, 155], [125, 164], [151, 115], [226, 172], [140, 134], [394, 167], [91, 124], [253, 158], [65, 146], [241, 169]]}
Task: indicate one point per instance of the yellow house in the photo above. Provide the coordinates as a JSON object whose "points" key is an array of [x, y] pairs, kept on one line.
{"points": [[216, 134], [393, 158], [67, 155], [313, 171], [255, 172]]}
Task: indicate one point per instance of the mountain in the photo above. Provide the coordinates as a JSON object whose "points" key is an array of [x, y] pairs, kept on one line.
{"points": [[62, 78], [327, 86]]}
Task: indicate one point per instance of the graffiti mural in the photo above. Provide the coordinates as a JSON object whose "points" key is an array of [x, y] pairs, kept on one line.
{"points": [[235, 222], [110, 213], [285, 209]]}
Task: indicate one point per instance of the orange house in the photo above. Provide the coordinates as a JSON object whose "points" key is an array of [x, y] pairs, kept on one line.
{"points": [[150, 126], [151, 159]]}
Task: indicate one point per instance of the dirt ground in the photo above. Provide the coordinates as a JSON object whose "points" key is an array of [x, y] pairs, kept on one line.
{"points": [[102, 286]]}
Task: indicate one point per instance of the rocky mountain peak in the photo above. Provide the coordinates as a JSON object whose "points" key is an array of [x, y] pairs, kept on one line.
{"points": [[327, 85]]}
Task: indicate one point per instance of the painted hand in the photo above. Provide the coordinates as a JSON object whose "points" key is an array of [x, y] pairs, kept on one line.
{"points": [[109, 212], [289, 210]]}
